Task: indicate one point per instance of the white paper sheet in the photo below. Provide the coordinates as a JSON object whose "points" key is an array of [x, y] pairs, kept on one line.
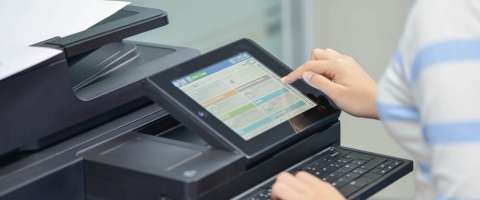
{"points": [[19, 58], [27, 22]]}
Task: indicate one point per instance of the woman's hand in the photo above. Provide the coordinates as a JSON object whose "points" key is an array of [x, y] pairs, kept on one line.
{"points": [[342, 79], [303, 186]]}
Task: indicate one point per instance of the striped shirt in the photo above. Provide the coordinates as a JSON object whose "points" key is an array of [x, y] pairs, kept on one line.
{"points": [[429, 97]]}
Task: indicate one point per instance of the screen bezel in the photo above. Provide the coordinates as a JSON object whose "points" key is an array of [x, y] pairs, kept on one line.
{"points": [[267, 140]]}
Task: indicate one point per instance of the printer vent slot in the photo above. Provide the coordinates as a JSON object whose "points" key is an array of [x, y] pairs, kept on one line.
{"points": [[169, 127], [159, 126]]}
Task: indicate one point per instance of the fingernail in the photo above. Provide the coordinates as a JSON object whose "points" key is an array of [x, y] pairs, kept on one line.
{"points": [[307, 76], [285, 80], [331, 50]]}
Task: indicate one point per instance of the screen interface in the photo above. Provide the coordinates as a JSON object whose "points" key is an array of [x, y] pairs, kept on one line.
{"points": [[244, 94]]}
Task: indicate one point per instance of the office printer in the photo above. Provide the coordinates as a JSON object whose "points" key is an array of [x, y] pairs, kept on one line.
{"points": [[83, 87], [94, 81], [80, 126]]}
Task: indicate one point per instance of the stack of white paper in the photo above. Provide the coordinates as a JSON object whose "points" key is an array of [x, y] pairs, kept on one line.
{"points": [[28, 22]]}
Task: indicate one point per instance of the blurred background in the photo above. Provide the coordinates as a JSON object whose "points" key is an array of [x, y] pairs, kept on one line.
{"points": [[367, 30]]}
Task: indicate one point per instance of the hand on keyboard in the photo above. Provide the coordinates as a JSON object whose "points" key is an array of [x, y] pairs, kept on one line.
{"points": [[303, 186], [346, 170]]}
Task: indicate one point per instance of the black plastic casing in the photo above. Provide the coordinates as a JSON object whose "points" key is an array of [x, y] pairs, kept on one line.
{"points": [[137, 166], [39, 106]]}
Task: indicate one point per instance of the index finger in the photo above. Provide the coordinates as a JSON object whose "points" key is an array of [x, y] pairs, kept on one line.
{"points": [[290, 180], [309, 178], [324, 54], [317, 66]]}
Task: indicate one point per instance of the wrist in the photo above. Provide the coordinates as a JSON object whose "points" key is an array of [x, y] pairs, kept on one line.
{"points": [[373, 113]]}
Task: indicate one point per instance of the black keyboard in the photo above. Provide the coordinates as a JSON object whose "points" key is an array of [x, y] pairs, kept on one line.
{"points": [[347, 170]]}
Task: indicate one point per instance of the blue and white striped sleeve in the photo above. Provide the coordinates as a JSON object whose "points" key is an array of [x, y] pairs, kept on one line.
{"points": [[443, 74]]}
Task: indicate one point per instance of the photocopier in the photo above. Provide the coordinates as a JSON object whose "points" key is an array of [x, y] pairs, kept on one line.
{"points": [[81, 125]]}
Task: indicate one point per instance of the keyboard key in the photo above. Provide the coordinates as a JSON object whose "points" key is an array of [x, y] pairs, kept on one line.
{"points": [[351, 166], [381, 171], [358, 162], [364, 180], [335, 165], [345, 169], [385, 167], [372, 175], [310, 168], [381, 166], [340, 182], [263, 194], [334, 154], [319, 174], [266, 193], [327, 169], [393, 163], [348, 189], [322, 157], [351, 176], [358, 183], [342, 151], [344, 160], [256, 197], [359, 156], [373, 163], [319, 163], [360, 171], [333, 176]]}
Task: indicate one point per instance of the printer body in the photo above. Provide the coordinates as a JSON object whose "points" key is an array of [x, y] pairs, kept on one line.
{"points": [[59, 97], [95, 80], [81, 125]]}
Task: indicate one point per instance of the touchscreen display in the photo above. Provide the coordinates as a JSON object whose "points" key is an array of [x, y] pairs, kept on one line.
{"points": [[244, 94]]}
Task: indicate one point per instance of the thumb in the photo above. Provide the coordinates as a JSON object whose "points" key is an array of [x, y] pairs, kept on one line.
{"points": [[321, 83]]}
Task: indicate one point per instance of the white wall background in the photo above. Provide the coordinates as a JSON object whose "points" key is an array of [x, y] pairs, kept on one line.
{"points": [[209, 24], [367, 30]]}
